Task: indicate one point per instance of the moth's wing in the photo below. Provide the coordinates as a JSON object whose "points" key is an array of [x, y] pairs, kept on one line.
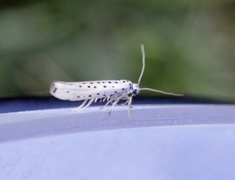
{"points": [[73, 91], [77, 91]]}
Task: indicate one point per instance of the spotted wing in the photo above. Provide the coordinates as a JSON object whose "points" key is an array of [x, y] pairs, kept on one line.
{"points": [[77, 91]]}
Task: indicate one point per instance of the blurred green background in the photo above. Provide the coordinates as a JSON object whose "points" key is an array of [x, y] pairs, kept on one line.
{"points": [[189, 45]]}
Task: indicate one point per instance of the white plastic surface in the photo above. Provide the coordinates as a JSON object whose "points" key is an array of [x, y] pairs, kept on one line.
{"points": [[169, 143]]}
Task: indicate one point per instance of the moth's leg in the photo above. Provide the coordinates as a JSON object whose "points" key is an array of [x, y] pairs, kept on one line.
{"points": [[81, 106], [104, 99], [89, 103], [106, 104], [110, 100], [115, 102], [129, 106], [126, 102]]}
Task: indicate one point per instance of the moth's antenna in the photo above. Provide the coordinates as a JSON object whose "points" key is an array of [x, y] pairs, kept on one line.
{"points": [[159, 91], [143, 63], [142, 72]]}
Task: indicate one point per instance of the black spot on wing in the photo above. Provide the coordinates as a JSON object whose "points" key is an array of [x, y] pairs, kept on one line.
{"points": [[54, 90]]}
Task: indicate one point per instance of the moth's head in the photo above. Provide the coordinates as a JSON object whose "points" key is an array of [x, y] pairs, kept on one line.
{"points": [[136, 89]]}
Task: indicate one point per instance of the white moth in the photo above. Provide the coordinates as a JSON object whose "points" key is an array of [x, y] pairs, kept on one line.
{"points": [[111, 91]]}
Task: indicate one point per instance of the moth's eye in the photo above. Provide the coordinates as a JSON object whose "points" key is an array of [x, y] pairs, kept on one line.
{"points": [[135, 91]]}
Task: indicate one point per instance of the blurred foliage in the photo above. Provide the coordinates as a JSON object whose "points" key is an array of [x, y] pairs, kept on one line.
{"points": [[189, 44]]}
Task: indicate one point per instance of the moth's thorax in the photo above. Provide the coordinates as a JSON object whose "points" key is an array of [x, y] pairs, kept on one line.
{"points": [[127, 86]]}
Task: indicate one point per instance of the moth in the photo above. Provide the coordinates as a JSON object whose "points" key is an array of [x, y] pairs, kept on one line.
{"points": [[111, 91]]}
